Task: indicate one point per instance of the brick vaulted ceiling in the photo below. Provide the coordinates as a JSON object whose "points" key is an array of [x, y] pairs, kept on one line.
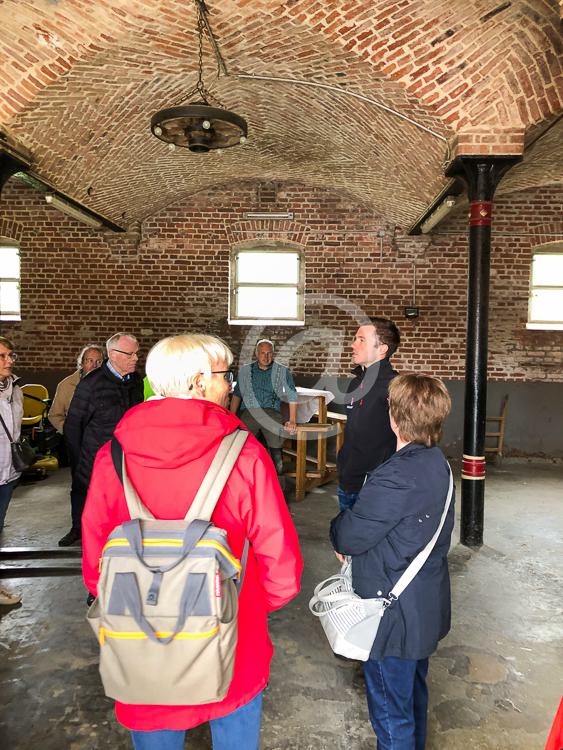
{"points": [[370, 97]]}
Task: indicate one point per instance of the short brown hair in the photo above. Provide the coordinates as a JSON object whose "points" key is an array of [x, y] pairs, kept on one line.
{"points": [[387, 333], [6, 342], [419, 404]]}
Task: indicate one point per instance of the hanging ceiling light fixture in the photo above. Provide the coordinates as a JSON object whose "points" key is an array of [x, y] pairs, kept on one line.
{"points": [[199, 126]]}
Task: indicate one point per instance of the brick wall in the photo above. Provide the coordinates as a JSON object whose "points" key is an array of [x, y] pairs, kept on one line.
{"points": [[80, 284]]}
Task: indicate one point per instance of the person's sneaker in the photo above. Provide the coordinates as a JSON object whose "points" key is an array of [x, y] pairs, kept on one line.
{"points": [[8, 598], [74, 535]]}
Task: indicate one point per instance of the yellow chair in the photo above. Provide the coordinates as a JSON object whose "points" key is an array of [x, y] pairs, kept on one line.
{"points": [[35, 407], [34, 404]]}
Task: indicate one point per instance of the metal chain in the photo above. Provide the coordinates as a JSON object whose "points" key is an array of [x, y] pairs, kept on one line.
{"points": [[200, 86]]}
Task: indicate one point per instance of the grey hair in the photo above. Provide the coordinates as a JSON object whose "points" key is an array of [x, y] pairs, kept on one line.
{"points": [[112, 341], [79, 359], [263, 341]]}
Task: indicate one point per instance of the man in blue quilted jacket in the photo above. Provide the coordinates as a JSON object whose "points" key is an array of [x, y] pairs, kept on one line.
{"points": [[101, 398]]}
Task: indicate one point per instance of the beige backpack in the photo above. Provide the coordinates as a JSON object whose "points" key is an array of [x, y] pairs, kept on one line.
{"points": [[166, 612]]}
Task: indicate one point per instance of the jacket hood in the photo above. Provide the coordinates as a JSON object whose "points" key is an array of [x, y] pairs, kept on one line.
{"points": [[170, 432]]}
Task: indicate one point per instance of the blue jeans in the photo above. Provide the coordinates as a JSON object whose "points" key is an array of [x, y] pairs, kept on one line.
{"points": [[239, 730], [346, 499], [6, 491], [397, 702]]}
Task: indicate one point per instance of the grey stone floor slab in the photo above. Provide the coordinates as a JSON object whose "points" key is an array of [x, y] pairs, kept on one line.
{"points": [[495, 681]]}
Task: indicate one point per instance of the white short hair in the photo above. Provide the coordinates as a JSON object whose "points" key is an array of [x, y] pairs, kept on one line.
{"points": [[174, 362], [112, 341]]}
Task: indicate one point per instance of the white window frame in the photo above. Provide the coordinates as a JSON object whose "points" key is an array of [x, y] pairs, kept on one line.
{"points": [[552, 248], [6, 243], [261, 246]]}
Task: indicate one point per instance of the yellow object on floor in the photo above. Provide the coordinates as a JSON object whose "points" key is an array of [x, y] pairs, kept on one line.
{"points": [[48, 463]]}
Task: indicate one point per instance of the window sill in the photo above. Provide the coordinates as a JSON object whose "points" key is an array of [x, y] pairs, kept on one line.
{"points": [[544, 326], [264, 322], [13, 318]]}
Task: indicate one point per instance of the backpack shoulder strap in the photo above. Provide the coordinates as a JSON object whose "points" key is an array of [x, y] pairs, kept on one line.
{"points": [[134, 504], [116, 456], [214, 481]]}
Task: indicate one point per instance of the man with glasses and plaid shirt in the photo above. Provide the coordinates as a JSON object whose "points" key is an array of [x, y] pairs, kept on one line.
{"points": [[101, 398]]}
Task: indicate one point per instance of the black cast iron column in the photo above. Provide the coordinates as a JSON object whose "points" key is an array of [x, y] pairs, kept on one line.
{"points": [[481, 175]]}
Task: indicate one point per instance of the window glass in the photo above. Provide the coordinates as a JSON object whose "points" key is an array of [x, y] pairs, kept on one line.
{"points": [[10, 267], [546, 305], [268, 268], [547, 269], [9, 297], [9, 282], [267, 302], [266, 285]]}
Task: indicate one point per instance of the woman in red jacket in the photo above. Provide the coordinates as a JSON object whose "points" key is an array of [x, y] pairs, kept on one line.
{"points": [[170, 442]]}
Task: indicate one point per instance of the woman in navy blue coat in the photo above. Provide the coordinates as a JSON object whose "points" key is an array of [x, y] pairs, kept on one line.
{"points": [[396, 515]]}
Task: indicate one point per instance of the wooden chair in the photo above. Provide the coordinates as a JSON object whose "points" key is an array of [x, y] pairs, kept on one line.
{"points": [[497, 435]]}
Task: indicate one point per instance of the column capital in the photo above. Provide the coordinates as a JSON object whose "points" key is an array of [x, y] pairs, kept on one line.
{"points": [[481, 174]]}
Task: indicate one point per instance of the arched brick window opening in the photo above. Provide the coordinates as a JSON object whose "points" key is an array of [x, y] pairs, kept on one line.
{"points": [[267, 283], [545, 307]]}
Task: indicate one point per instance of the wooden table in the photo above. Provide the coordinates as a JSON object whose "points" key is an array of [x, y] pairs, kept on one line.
{"points": [[328, 424]]}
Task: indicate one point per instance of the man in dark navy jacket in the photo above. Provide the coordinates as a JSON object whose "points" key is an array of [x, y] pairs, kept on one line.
{"points": [[368, 439]]}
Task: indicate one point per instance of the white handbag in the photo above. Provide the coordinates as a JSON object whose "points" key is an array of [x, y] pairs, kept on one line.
{"points": [[350, 622]]}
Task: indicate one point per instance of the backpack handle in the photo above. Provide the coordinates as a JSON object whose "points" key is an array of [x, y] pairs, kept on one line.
{"points": [[193, 533]]}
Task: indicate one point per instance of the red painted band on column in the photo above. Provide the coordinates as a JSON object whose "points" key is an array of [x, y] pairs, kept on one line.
{"points": [[473, 467], [481, 214]]}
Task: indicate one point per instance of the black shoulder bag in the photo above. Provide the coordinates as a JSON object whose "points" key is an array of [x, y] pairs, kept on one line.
{"points": [[23, 455]]}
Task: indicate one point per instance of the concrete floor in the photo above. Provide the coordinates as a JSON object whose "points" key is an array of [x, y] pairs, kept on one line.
{"points": [[495, 681]]}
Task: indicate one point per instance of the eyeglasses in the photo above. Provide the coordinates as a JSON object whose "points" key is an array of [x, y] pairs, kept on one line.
{"points": [[8, 355], [128, 354], [229, 375]]}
